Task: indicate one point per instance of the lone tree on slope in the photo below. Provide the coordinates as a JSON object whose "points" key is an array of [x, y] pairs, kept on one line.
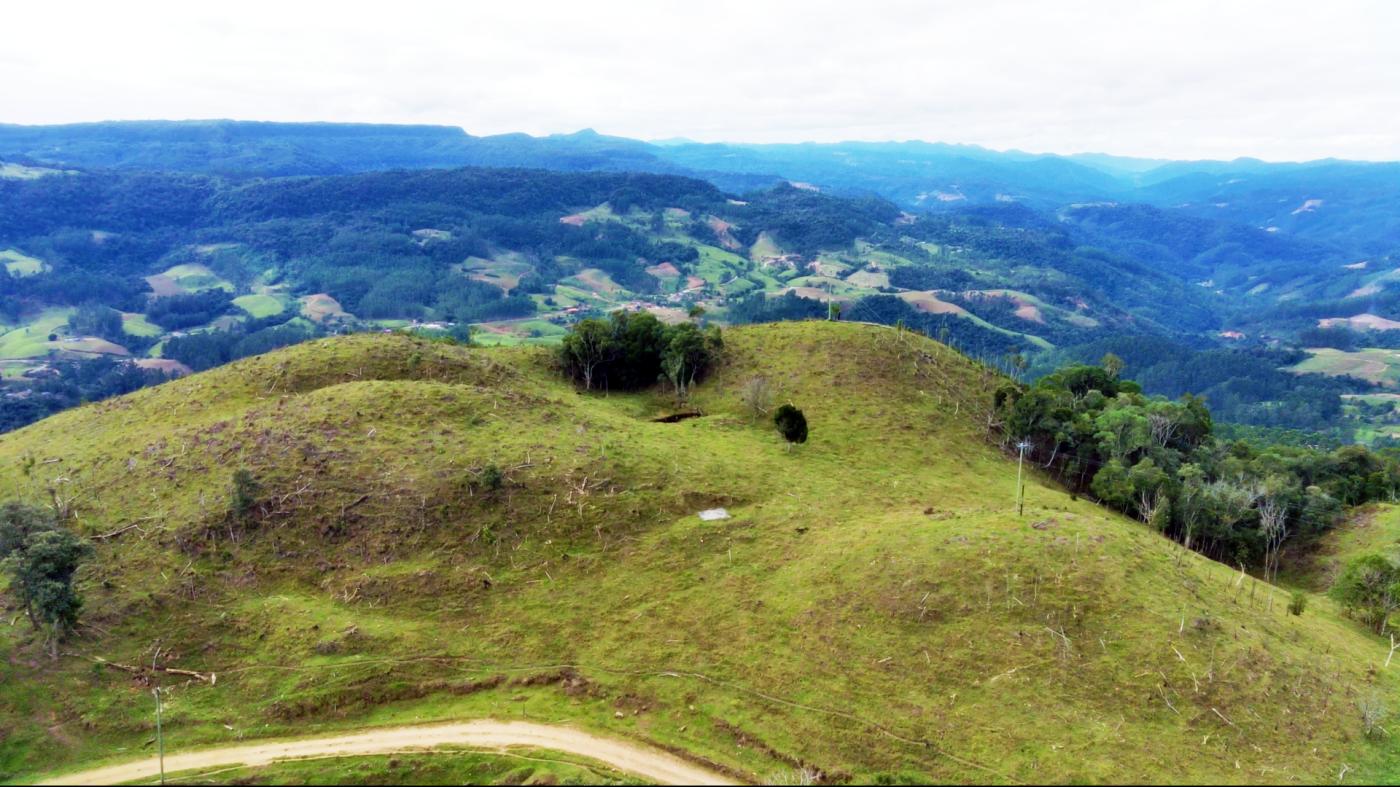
{"points": [[41, 559]]}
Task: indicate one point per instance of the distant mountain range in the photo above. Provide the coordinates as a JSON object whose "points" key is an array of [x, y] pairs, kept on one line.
{"points": [[1353, 204]]}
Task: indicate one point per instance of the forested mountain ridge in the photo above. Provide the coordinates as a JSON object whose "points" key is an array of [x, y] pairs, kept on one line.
{"points": [[1006, 253], [195, 269]]}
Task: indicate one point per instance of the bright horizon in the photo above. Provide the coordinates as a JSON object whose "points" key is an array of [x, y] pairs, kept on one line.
{"points": [[1279, 81]]}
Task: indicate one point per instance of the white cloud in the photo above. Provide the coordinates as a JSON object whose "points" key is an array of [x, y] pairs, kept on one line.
{"points": [[1191, 78]]}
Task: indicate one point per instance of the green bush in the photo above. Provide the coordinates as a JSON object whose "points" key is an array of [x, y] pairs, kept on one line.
{"points": [[1369, 588], [1297, 602], [791, 423], [243, 495]]}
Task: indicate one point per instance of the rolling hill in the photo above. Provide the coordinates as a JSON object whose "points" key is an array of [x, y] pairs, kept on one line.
{"points": [[443, 532]]}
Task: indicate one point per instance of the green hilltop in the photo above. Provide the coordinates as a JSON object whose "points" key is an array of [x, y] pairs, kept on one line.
{"points": [[446, 532]]}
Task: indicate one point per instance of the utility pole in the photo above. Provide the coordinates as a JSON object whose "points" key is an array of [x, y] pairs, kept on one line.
{"points": [[160, 739], [1020, 483]]}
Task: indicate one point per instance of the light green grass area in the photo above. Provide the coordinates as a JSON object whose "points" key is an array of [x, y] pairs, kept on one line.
{"points": [[320, 308], [259, 306], [504, 270], [716, 265], [193, 277], [874, 608], [765, 246], [1370, 529], [596, 283], [515, 333], [1372, 364], [20, 264], [136, 324], [12, 171], [884, 259], [869, 280], [602, 212], [31, 340]]}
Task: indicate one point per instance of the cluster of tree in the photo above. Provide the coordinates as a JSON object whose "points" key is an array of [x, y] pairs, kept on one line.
{"points": [[41, 558], [930, 277], [1245, 386], [68, 384], [201, 351], [1347, 339], [1158, 460], [632, 350], [176, 312], [806, 222]]}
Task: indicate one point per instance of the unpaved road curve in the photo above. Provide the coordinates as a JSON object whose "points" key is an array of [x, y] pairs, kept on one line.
{"points": [[486, 734]]}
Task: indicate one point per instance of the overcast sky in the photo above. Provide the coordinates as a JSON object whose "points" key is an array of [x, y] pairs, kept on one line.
{"points": [[1280, 80]]}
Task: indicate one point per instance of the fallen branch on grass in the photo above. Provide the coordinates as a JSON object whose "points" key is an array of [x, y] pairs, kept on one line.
{"points": [[210, 678]]}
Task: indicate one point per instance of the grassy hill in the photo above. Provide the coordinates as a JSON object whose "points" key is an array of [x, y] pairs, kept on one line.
{"points": [[450, 532]]}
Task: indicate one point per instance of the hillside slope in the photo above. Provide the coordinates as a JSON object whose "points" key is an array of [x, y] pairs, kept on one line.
{"points": [[448, 532]]}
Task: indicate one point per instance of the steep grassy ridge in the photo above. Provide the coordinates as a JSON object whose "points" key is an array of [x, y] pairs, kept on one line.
{"points": [[874, 609]]}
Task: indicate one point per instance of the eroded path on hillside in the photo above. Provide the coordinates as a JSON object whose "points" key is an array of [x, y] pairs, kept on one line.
{"points": [[484, 734]]}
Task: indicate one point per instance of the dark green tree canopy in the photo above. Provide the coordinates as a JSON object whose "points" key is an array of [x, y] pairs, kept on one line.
{"points": [[632, 350], [41, 559], [1159, 460]]}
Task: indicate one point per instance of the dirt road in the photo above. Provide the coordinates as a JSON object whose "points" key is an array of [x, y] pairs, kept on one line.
{"points": [[485, 734]]}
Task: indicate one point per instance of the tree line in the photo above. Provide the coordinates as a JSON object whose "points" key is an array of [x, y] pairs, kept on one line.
{"points": [[1158, 460]]}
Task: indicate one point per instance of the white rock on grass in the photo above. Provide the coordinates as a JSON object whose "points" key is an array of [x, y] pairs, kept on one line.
{"points": [[711, 514]]}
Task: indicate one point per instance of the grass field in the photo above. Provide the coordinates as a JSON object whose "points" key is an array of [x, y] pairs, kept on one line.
{"points": [[764, 247], [874, 609], [12, 171], [1370, 529], [503, 270], [1372, 364], [136, 324], [259, 306], [594, 281], [32, 339], [188, 277], [20, 264], [320, 307]]}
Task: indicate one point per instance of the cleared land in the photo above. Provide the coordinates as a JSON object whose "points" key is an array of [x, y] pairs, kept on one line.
{"points": [[874, 609], [20, 264], [1373, 364], [32, 339], [259, 306]]}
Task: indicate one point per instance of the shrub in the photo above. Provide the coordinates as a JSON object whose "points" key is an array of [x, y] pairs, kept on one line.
{"points": [[791, 423], [492, 478], [243, 495], [757, 397], [1297, 602], [1369, 588]]}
